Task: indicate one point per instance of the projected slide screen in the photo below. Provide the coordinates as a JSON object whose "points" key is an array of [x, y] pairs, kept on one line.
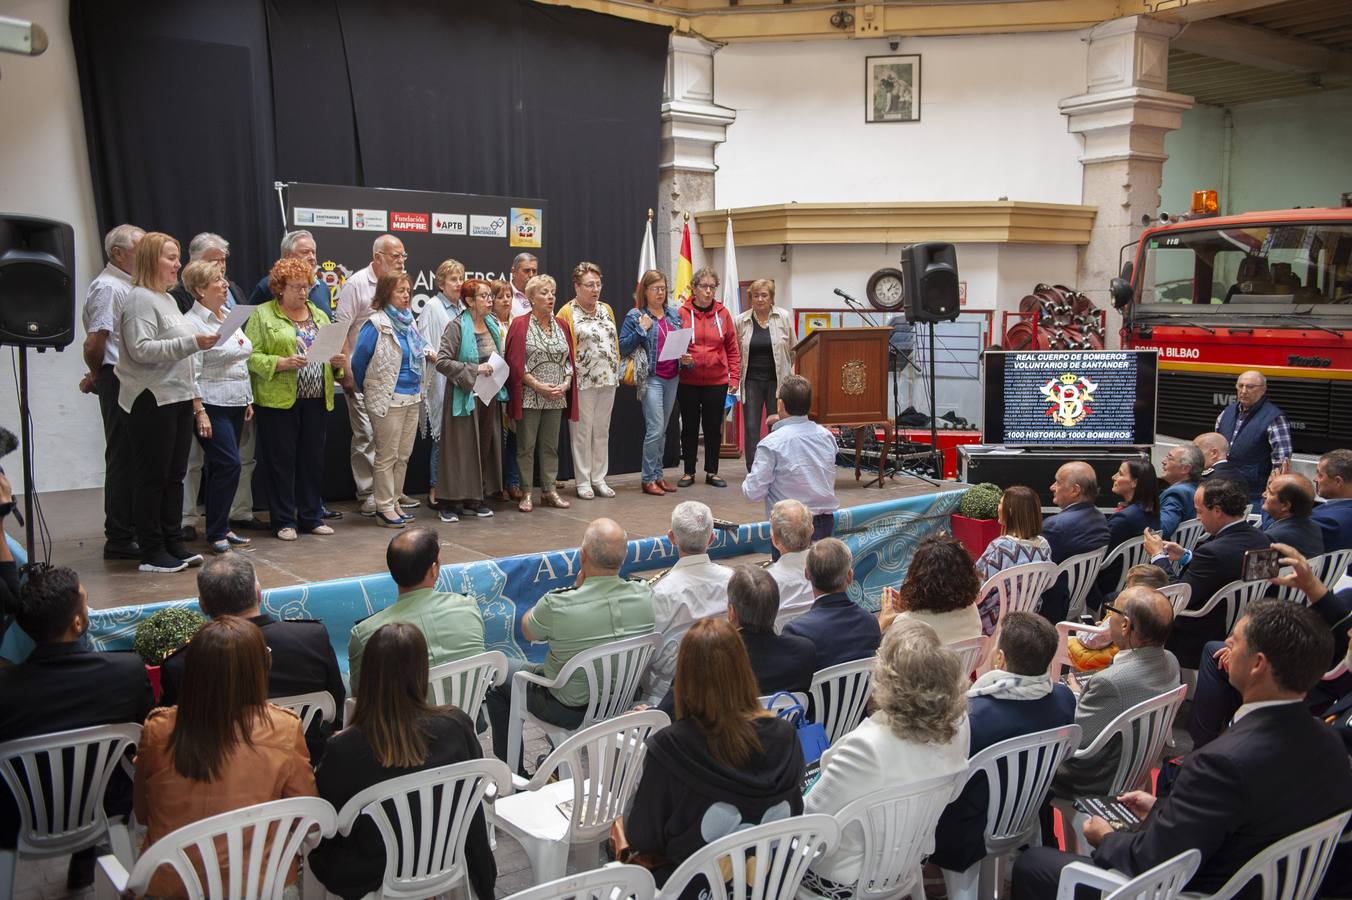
{"points": [[1051, 398]]}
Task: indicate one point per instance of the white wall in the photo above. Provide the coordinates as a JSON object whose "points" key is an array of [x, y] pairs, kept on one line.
{"points": [[44, 171]]}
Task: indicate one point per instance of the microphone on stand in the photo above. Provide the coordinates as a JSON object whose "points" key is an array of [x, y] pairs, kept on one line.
{"points": [[855, 305]]}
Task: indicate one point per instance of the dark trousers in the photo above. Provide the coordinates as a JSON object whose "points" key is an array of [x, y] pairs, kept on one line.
{"points": [[119, 462], [823, 526], [161, 438], [289, 440], [220, 467], [1037, 873], [759, 403], [1215, 702], [539, 702], [701, 407]]}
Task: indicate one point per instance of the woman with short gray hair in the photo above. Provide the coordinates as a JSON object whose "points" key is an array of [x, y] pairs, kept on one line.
{"points": [[710, 371]]}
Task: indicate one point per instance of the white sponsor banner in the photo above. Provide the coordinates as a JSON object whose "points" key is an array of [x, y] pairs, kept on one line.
{"points": [[488, 226], [310, 217], [370, 220], [448, 223]]}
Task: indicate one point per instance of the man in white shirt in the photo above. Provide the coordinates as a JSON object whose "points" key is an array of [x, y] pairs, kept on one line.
{"points": [[791, 535], [693, 589], [102, 308], [354, 308], [524, 267]]}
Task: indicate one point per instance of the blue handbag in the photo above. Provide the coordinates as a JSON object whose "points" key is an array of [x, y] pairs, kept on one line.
{"points": [[811, 735]]}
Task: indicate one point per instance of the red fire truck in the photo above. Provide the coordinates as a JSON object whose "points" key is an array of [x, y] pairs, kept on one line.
{"points": [[1270, 291]]}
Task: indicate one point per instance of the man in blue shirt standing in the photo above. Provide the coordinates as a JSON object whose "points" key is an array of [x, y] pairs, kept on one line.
{"points": [[796, 460]]}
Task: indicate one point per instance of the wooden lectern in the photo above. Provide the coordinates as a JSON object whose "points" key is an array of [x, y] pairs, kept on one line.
{"points": [[848, 368]]}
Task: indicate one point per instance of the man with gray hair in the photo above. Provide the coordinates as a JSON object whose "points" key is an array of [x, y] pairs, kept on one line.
{"points": [[840, 630], [1181, 470], [102, 310], [791, 535], [1258, 432], [299, 244], [212, 248], [524, 267], [694, 588], [354, 308]]}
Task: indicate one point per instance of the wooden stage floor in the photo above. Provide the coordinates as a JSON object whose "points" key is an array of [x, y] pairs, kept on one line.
{"points": [[75, 519]]}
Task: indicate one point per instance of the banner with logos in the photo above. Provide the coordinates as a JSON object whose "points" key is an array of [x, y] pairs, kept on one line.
{"points": [[485, 233]]}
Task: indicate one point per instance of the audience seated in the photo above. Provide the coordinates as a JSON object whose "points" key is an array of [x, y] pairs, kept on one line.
{"points": [[918, 731], [724, 764], [693, 589], [1333, 478], [1287, 504], [600, 608], [1092, 652], [62, 686], [451, 623], [780, 662], [300, 655], [1078, 528], [224, 747], [1181, 470], [1223, 508], [839, 629], [1016, 697], [1215, 448], [1134, 482], [1020, 542], [1275, 771], [393, 732], [940, 590], [1138, 620], [791, 534]]}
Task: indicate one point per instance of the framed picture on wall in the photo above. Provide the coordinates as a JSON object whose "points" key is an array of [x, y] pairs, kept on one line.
{"points": [[892, 85]]}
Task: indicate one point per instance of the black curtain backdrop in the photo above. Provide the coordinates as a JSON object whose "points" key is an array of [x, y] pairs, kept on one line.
{"points": [[193, 109]]}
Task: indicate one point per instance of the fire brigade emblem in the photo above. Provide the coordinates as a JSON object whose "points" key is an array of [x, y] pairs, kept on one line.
{"points": [[1069, 398], [333, 275]]}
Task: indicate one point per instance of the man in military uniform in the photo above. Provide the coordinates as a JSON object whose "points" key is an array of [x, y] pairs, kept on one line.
{"points": [[601, 607]]}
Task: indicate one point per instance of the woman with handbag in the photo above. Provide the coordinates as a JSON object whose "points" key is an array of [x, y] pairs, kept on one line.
{"points": [[596, 350], [642, 334]]}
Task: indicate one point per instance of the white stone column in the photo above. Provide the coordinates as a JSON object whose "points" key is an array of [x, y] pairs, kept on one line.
{"points": [[1123, 115], [692, 125]]}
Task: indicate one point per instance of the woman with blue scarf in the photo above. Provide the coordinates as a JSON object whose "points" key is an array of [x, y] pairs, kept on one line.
{"points": [[387, 364], [470, 456]]}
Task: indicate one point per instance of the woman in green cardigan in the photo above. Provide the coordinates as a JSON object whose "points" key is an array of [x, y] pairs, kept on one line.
{"points": [[292, 395]]}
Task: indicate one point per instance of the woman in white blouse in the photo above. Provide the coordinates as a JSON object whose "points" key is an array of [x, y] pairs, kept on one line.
{"points": [[226, 398], [596, 349], [157, 373]]}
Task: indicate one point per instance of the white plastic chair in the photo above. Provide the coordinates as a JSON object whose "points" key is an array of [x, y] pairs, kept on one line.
{"points": [[1080, 571], [1163, 882], [1131, 552], [1236, 596], [971, 653], [1187, 533], [612, 882], [446, 798], [1020, 587], [1142, 731], [1018, 775], [612, 670], [765, 862], [260, 843], [307, 706], [840, 695], [1306, 853], [896, 824], [79, 762], [1180, 595], [602, 765], [1327, 567]]}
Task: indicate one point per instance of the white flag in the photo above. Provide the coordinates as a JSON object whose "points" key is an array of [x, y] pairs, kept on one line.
{"points": [[647, 254], [732, 289]]}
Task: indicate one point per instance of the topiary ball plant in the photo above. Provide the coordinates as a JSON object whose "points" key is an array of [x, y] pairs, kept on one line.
{"points": [[980, 501], [164, 632]]}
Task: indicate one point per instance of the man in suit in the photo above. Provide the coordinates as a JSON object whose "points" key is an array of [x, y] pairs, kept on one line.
{"points": [[1139, 620], [840, 630], [1181, 470], [1214, 448], [1288, 501], [1223, 508], [1257, 431], [303, 659], [1275, 771], [62, 685], [1333, 479], [1078, 528]]}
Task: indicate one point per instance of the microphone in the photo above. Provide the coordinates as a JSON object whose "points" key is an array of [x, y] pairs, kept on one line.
{"points": [[855, 305]]}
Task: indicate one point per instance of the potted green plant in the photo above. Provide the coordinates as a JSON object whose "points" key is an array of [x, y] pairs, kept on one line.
{"points": [[162, 633], [975, 522]]}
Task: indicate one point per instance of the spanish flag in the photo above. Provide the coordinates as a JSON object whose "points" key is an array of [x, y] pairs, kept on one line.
{"points": [[684, 267]]}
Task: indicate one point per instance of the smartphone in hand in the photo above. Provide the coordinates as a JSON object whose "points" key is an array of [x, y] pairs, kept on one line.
{"points": [[1260, 564]]}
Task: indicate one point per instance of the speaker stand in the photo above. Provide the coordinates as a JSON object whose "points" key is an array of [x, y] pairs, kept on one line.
{"points": [[26, 453]]}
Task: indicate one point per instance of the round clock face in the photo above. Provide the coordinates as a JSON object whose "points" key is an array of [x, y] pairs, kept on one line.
{"points": [[886, 290]]}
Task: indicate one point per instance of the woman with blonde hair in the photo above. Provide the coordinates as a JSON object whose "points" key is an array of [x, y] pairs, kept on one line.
{"points": [[157, 371], [645, 328], [596, 350], [440, 311], [1020, 541], [765, 340]]}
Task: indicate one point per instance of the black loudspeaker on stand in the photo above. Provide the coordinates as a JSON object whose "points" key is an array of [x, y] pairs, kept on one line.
{"points": [[37, 309], [930, 282]]}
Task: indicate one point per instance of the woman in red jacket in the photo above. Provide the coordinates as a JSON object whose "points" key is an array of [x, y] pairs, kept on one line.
{"points": [[709, 373]]}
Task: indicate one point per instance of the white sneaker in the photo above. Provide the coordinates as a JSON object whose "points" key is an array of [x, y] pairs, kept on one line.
{"points": [[286, 534], [585, 492], [603, 489], [320, 529], [368, 507]]}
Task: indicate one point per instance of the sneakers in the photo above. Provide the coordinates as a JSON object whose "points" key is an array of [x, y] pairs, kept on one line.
{"points": [[604, 490], [479, 511], [163, 562], [178, 551], [287, 534], [448, 516], [407, 502], [320, 530], [368, 507]]}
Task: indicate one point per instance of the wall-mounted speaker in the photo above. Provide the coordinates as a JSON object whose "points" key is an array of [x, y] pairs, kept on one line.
{"points": [[37, 282], [931, 282]]}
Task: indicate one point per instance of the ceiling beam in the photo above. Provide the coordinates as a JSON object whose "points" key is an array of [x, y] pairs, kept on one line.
{"points": [[1198, 10], [1262, 48]]}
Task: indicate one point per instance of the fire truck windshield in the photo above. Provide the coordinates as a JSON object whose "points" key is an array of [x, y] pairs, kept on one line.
{"points": [[1255, 270]]}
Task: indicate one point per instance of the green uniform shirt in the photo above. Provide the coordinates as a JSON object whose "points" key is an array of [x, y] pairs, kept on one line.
{"points": [[602, 610], [451, 623]]}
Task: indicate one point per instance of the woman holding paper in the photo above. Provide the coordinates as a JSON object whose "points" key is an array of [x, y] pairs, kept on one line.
{"points": [[596, 347], [387, 365], [470, 453], [645, 328], [292, 394], [226, 398]]}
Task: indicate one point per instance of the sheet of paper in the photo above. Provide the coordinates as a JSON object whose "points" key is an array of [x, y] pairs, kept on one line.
{"points": [[676, 344], [328, 343], [234, 321], [486, 387]]}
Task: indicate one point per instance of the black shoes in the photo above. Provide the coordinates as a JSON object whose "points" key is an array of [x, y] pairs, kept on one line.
{"points": [[250, 524], [686, 481], [715, 481], [121, 550], [180, 552], [188, 532], [164, 563], [330, 514]]}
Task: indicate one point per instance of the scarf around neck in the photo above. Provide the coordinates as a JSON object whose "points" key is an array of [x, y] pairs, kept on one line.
{"points": [[462, 401], [402, 320], [1002, 685]]}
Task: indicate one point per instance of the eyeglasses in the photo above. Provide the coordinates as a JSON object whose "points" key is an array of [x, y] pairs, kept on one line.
{"points": [[394, 256], [1108, 607], [706, 287]]}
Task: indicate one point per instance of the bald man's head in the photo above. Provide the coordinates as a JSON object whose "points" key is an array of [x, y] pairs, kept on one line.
{"points": [[1287, 496], [603, 547], [1213, 445], [1250, 387], [1149, 616], [1075, 483]]}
